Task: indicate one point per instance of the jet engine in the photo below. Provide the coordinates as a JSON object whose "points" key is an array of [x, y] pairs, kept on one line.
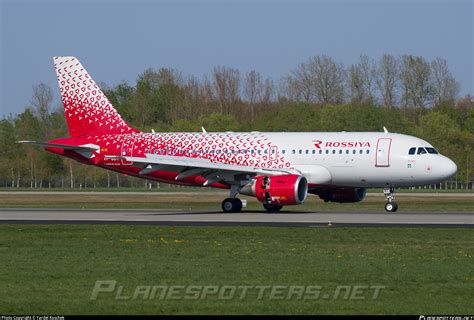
{"points": [[341, 194], [278, 190]]}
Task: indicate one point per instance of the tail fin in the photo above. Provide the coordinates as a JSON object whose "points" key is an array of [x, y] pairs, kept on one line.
{"points": [[87, 109]]}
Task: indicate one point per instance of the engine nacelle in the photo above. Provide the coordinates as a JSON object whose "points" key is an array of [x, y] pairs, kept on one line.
{"points": [[341, 194], [279, 190]]}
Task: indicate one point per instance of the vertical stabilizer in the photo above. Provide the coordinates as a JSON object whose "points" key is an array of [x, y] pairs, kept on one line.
{"points": [[87, 109]]}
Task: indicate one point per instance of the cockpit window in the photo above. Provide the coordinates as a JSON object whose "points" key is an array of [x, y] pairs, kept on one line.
{"points": [[432, 150], [412, 150], [421, 150]]}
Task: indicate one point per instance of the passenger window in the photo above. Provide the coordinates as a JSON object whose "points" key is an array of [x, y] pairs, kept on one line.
{"points": [[334, 152], [320, 151], [327, 151], [283, 151], [354, 151], [307, 151], [368, 151], [294, 151], [360, 151], [314, 151], [347, 151], [412, 150], [421, 150], [340, 151], [300, 151]]}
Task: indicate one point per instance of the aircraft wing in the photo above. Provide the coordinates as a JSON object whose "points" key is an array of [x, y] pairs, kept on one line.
{"points": [[196, 166]]}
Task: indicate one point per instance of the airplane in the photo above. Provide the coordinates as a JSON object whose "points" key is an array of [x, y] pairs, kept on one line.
{"points": [[278, 168]]}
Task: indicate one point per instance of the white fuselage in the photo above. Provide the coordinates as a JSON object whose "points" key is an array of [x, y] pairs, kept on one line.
{"points": [[361, 159]]}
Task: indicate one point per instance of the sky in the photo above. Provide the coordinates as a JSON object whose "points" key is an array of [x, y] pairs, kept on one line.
{"points": [[118, 40]]}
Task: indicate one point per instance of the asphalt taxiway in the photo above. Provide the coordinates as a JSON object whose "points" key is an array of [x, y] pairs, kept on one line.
{"points": [[249, 218]]}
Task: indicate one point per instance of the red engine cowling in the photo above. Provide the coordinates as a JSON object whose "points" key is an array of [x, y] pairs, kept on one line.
{"points": [[341, 194], [280, 190]]}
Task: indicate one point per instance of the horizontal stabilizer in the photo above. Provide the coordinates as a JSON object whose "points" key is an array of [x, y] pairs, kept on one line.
{"points": [[62, 146]]}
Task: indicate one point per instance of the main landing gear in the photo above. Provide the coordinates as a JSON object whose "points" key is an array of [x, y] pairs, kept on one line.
{"points": [[272, 207], [390, 205], [231, 205]]}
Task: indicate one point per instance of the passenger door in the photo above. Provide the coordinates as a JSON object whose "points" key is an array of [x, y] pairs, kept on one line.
{"points": [[382, 152]]}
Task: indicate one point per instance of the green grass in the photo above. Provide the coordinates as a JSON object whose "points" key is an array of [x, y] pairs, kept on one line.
{"points": [[319, 206], [212, 202], [51, 269]]}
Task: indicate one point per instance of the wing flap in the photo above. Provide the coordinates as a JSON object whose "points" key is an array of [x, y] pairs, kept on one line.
{"points": [[174, 161]]}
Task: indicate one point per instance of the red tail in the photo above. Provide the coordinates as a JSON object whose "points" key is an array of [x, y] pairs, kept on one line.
{"points": [[87, 109]]}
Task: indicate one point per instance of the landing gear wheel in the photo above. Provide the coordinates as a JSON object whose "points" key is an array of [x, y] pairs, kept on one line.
{"points": [[272, 207], [391, 207], [231, 205]]}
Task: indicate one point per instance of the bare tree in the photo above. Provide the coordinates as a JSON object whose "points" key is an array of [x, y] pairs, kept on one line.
{"points": [[300, 83], [361, 77], [368, 70], [253, 88], [328, 79], [387, 75], [357, 85], [207, 93], [268, 91], [320, 80], [415, 76], [226, 86], [41, 101], [445, 86]]}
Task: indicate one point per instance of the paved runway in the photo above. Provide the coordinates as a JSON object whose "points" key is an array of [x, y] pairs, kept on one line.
{"points": [[192, 218]]}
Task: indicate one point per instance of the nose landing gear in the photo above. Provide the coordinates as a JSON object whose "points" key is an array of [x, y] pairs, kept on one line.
{"points": [[390, 205]]}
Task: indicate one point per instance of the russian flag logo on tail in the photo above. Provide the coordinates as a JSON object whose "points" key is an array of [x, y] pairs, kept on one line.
{"points": [[87, 109]]}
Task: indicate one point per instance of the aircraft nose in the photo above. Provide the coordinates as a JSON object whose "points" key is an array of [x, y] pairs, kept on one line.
{"points": [[449, 168]]}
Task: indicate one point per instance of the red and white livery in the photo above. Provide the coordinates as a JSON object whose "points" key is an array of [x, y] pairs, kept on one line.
{"points": [[278, 168]]}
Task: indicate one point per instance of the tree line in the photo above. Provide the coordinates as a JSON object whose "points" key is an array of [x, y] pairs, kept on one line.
{"points": [[407, 94]]}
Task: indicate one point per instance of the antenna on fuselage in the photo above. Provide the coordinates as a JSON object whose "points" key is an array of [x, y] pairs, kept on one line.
{"points": [[203, 130], [385, 130]]}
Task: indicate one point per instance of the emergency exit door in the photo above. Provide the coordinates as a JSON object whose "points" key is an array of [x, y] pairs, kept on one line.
{"points": [[382, 152]]}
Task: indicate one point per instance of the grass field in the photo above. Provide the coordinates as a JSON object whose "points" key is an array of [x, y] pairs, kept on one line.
{"points": [[212, 201], [52, 269]]}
